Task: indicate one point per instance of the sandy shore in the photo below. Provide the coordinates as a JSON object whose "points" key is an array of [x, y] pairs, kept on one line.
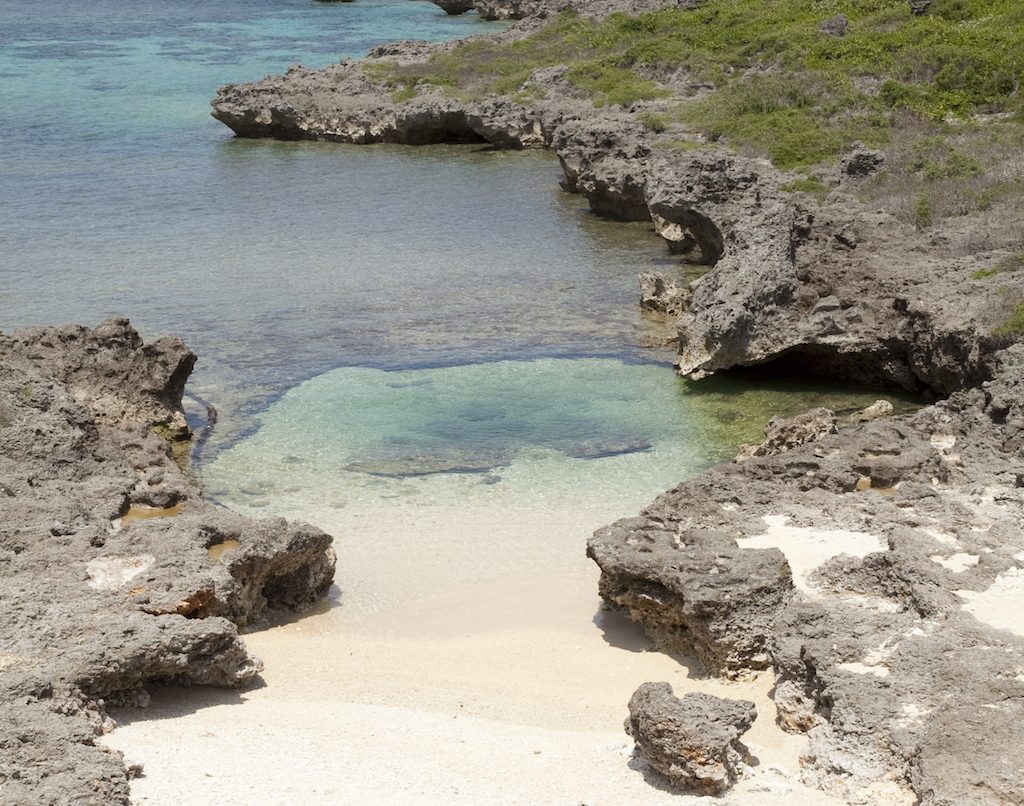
{"points": [[466, 661]]}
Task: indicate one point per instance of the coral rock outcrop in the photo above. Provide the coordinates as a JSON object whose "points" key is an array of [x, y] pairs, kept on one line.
{"points": [[115, 572], [692, 741]]}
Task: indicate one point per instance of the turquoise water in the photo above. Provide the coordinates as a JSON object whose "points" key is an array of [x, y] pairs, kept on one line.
{"points": [[373, 322], [584, 432], [120, 195]]}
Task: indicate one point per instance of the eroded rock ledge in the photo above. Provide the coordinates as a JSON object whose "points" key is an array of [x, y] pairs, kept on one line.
{"points": [[114, 571], [891, 627]]}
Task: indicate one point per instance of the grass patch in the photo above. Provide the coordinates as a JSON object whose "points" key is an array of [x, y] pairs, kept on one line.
{"points": [[403, 94], [610, 85], [956, 169], [1014, 326], [1012, 263], [656, 122], [808, 184], [779, 86]]}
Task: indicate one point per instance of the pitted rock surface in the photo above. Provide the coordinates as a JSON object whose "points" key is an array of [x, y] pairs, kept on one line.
{"points": [[97, 602], [659, 292], [783, 435], [886, 655], [692, 741], [694, 590]]}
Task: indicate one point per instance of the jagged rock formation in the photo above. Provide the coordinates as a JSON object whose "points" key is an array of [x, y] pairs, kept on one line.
{"points": [[659, 292], [454, 6], [876, 411], [505, 9], [114, 571], [694, 590], [901, 535], [783, 435], [693, 741]]}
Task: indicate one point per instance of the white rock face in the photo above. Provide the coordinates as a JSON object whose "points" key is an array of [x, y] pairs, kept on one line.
{"points": [[1002, 605], [110, 573]]}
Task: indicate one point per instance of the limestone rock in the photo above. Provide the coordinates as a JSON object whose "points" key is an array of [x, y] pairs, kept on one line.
{"points": [[518, 9], [783, 435], [875, 654], [607, 162], [454, 6], [862, 161], [659, 292], [115, 572], [694, 591], [693, 741], [122, 380], [877, 410]]}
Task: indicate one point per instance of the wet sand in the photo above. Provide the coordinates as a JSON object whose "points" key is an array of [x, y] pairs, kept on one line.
{"points": [[465, 661]]}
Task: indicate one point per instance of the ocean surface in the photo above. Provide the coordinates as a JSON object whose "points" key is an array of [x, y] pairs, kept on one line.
{"points": [[382, 324]]}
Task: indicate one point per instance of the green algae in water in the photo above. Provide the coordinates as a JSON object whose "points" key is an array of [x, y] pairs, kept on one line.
{"points": [[548, 432]]}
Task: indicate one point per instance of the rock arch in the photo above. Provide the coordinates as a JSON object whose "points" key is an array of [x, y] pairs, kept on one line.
{"points": [[689, 234]]}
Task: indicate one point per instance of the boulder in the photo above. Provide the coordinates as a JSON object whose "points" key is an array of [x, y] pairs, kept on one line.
{"points": [[659, 292], [694, 591], [454, 6], [692, 741], [877, 410], [115, 572], [783, 435]]}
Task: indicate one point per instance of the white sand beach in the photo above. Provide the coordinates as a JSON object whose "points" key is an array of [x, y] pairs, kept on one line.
{"points": [[465, 661]]}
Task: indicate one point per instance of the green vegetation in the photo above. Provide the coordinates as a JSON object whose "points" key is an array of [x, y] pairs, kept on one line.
{"points": [[924, 211], [779, 86], [1014, 326], [808, 184], [403, 94], [1012, 263], [654, 121], [935, 158]]}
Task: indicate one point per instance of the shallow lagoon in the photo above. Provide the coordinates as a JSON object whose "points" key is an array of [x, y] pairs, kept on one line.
{"points": [[364, 316]]}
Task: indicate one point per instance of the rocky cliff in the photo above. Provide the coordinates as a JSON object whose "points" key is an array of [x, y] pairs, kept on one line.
{"points": [[115, 572]]}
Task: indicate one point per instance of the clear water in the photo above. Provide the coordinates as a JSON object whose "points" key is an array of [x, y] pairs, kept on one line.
{"points": [[428, 309], [583, 433]]}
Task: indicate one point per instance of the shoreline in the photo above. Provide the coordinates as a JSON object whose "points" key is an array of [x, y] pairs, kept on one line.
{"points": [[515, 660], [876, 661], [816, 274]]}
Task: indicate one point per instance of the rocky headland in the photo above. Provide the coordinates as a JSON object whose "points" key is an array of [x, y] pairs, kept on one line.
{"points": [[115, 572], [877, 568]]}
